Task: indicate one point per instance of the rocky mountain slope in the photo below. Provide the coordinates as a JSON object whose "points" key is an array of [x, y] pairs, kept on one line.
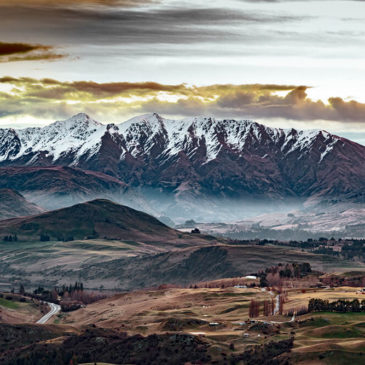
{"points": [[216, 156]]}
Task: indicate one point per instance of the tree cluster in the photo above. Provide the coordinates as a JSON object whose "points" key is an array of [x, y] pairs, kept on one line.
{"points": [[343, 306], [10, 238], [273, 276], [356, 280], [353, 249], [113, 347], [264, 354], [68, 295], [44, 237]]}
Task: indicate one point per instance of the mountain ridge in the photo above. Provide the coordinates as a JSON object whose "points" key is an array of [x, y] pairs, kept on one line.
{"points": [[198, 158], [80, 127]]}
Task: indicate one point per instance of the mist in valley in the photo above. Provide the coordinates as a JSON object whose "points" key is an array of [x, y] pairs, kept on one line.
{"points": [[260, 218], [179, 209]]}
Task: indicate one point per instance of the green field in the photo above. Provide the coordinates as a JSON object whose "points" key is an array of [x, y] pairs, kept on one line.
{"points": [[8, 304], [331, 338]]}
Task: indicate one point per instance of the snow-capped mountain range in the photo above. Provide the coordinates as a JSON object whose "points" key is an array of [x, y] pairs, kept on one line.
{"points": [[195, 156], [81, 136]]}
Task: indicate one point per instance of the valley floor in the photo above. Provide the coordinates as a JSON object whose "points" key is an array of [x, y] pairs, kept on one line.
{"points": [[212, 324]]}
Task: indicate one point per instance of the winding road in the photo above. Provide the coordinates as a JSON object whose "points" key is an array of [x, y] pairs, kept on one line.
{"points": [[55, 308], [277, 307]]}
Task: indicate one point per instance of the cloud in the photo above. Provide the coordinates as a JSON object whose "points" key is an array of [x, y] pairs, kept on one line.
{"points": [[62, 3], [348, 111], [75, 23], [11, 52], [53, 99], [84, 90], [12, 48]]}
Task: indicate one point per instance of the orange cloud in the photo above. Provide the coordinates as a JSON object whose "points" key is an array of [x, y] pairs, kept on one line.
{"points": [[56, 99]]}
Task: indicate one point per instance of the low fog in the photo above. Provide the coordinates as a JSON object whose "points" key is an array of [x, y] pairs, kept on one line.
{"points": [[286, 219]]}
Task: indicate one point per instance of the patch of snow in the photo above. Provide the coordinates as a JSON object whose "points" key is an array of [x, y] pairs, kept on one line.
{"points": [[329, 148]]}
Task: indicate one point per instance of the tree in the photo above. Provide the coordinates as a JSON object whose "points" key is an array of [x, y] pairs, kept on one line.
{"points": [[254, 309], [268, 311], [251, 309], [73, 361], [272, 306], [281, 304], [44, 237], [21, 289], [54, 295], [273, 279], [263, 281], [356, 305]]}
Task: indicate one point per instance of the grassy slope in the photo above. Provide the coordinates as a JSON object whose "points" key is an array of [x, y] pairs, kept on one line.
{"points": [[15, 311], [331, 338], [128, 265], [8, 304]]}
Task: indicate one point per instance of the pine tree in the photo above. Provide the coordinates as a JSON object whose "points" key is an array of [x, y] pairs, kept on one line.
{"points": [[21, 289]]}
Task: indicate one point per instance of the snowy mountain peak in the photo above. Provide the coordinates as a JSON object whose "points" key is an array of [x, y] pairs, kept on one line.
{"points": [[149, 118], [52, 141], [78, 121]]}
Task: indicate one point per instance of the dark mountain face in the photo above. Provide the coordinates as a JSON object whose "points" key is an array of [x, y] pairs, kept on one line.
{"points": [[61, 180], [55, 186], [197, 158], [13, 204]]}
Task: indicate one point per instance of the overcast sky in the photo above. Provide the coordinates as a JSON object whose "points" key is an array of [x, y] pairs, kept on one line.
{"points": [[284, 63]]}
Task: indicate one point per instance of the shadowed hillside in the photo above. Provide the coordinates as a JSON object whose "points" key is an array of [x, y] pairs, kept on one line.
{"points": [[55, 187], [13, 204], [95, 219]]}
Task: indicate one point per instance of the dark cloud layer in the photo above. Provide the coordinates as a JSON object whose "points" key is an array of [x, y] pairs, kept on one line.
{"points": [[13, 48], [48, 98], [62, 3], [75, 24], [10, 52]]}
